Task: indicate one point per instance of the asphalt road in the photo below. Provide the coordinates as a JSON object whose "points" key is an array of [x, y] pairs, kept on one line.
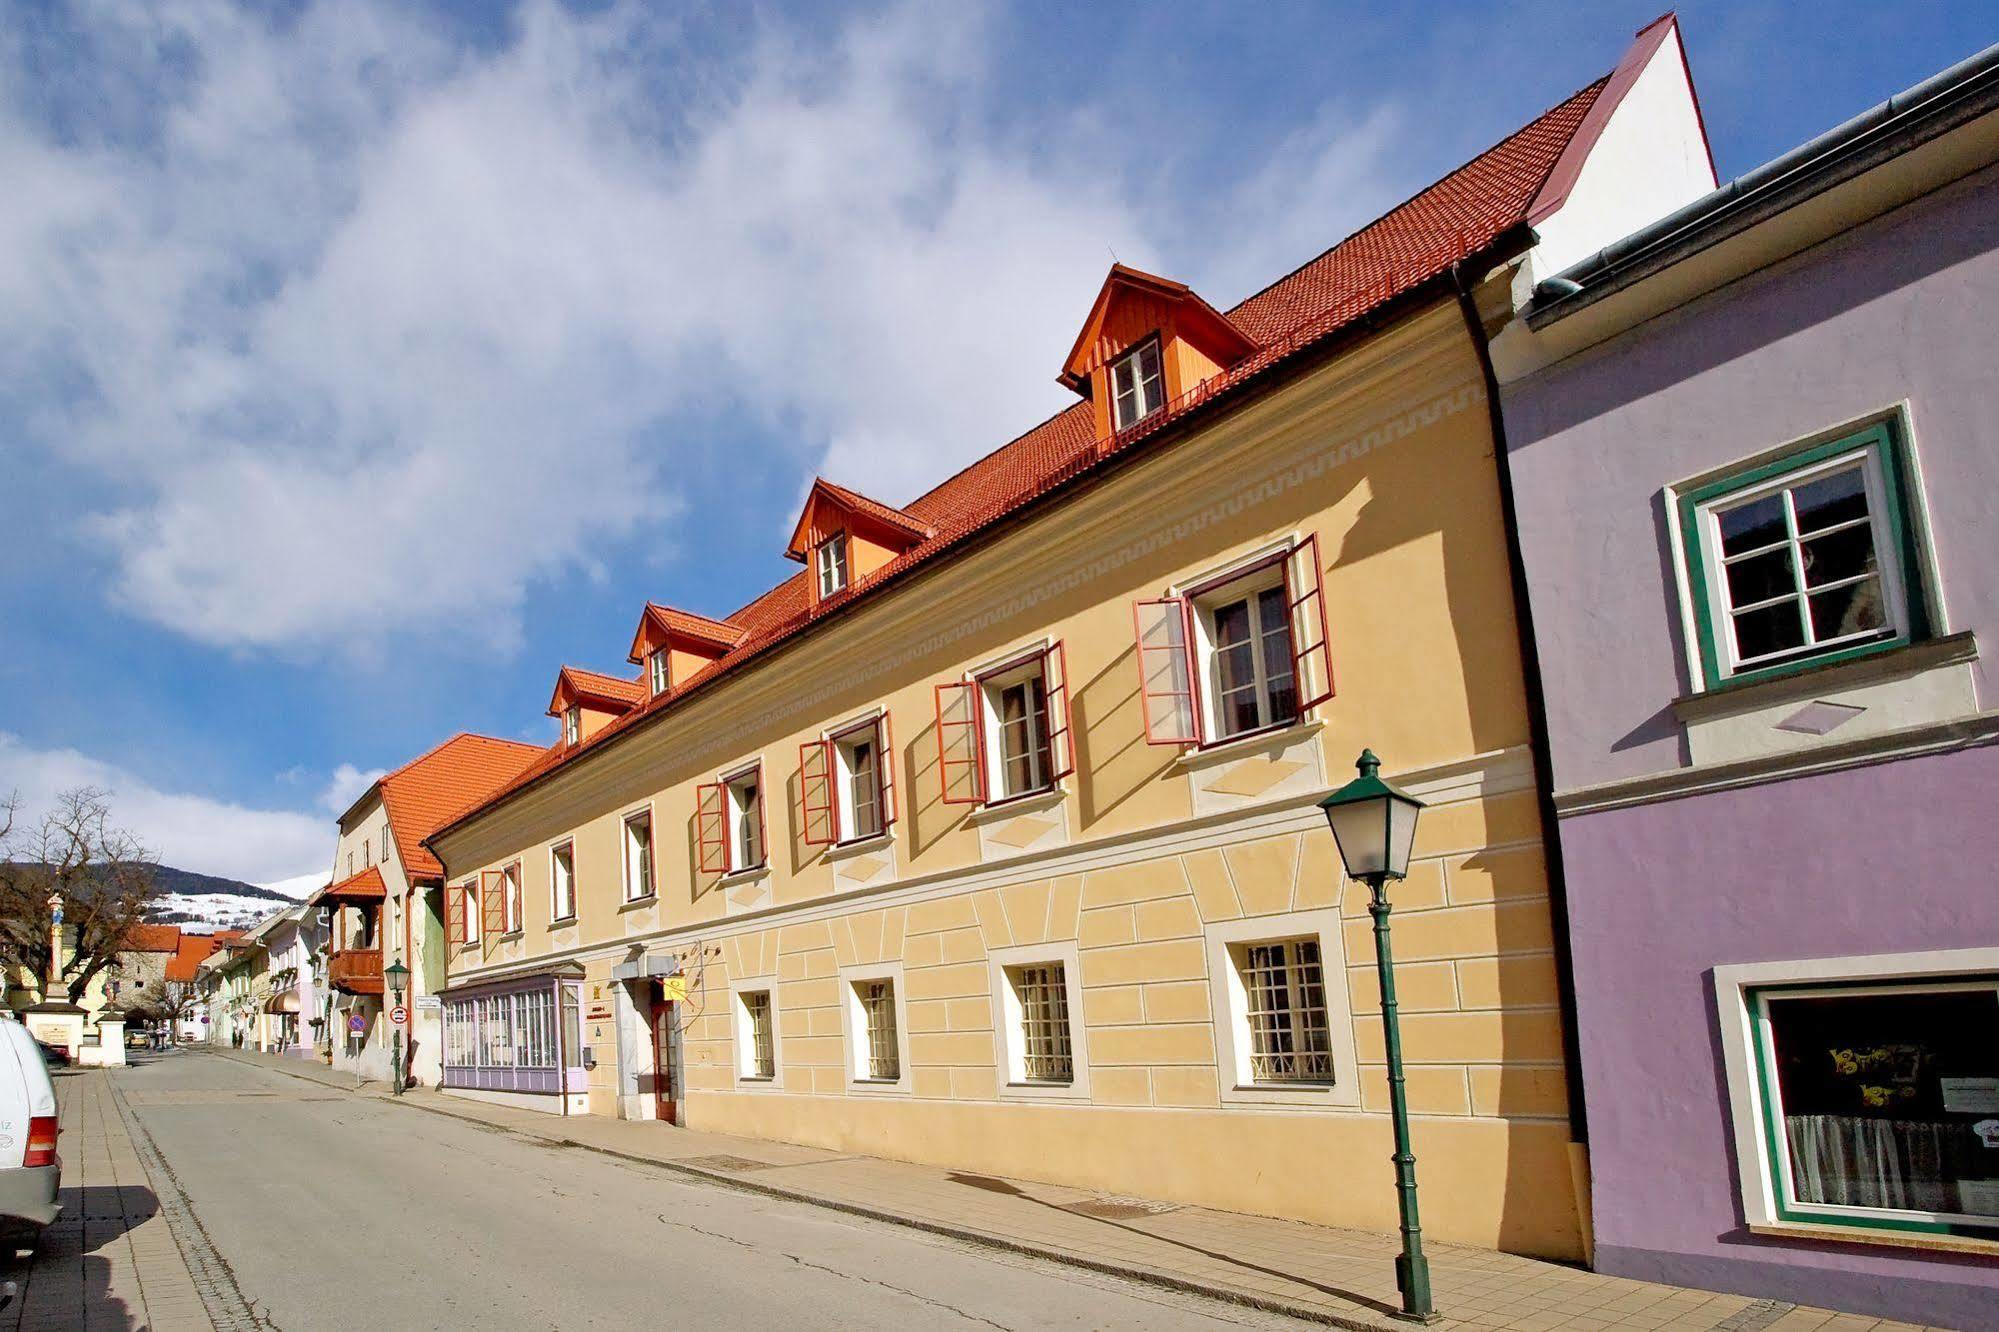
{"points": [[340, 1212]]}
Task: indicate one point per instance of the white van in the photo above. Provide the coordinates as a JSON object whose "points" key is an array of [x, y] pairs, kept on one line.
{"points": [[30, 1172]]}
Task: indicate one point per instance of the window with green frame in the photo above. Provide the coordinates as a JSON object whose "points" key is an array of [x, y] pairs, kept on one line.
{"points": [[1881, 1103], [1806, 559]]}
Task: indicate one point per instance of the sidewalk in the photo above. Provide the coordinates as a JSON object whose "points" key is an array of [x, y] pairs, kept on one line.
{"points": [[110, 1260], [1342, 1277]]}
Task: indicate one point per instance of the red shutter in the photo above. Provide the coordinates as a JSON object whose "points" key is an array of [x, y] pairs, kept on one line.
{"points": [[1311, 646], [818, 824], [887, 741], [454, 911], [1061, 731], [961, 758], [1166, 671], [711, 827], [763, 829], [493, 906]]}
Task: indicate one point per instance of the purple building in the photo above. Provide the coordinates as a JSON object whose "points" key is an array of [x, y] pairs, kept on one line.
{"points": [[1754, 453]]}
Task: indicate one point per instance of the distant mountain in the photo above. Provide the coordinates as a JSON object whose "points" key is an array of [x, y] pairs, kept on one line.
{"points": [[188, 898]]}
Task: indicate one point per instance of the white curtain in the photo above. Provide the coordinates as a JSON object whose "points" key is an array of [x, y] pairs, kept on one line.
{"points": [[1854, 1162]]}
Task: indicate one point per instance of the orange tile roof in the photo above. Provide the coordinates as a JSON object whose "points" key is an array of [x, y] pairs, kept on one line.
{"points": [[597, 687], [887, 515], [433, 788], [686, 624], [152, 939], [1414, 244], [193, 949], [367, 884]]}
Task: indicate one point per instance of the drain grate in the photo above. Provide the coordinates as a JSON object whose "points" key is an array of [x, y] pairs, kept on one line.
{"points": [[734, 1165], [1121, 1209]]}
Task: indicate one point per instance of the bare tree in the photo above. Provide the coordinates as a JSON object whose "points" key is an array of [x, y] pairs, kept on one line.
{"points": [[99, 872]]}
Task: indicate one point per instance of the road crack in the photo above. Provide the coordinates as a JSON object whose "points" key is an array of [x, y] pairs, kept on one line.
{"points": [[801, 1261]]}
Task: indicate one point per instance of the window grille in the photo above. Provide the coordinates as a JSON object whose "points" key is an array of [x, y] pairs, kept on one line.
{"points": [[763, 1050], [1044, 1023], [1286, 1001], [878, 1009]]}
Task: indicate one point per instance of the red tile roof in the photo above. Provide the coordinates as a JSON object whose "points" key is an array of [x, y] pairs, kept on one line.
{"points": [[433, 788], [193, 949], [853, 500], [1413, 244], [152, 939], [685, 624], [364, 886]]}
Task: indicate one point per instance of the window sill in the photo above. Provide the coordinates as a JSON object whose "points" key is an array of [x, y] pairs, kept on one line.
{"points": [[562, 922], [1235, 747], [633, 904], [756, 1084], [877, 1086], [1032, 802], [1044, 1091], [1858, 667], [751, 875], [1876, 1237], [841, 850]]}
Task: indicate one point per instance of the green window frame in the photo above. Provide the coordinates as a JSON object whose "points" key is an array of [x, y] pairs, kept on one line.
{"points": [[1890, 488], [1783, 1193]]}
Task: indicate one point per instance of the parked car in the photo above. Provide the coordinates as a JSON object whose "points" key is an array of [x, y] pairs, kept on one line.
{"points": [[30, 1170]]}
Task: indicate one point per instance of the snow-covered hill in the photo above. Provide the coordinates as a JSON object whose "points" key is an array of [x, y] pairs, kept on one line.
{"points": [[203, 900]]}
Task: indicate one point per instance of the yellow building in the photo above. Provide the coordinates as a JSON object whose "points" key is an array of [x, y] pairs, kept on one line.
{"points": [[989, 840]]}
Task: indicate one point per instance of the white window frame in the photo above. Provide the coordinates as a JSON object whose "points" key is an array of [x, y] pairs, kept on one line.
{"points": [[1231, 1008], [1009, 1051], [513, 900], [992, 684], [556, 915], [845, 812], [572, 724], [1757, 1176], [1887, 568], [1134, 360], [832, 559], [471, 900], [733, 818], [658, 672], [854, 1028], [625, 822], [386, 843], [1206, 598], [747, 1078]]}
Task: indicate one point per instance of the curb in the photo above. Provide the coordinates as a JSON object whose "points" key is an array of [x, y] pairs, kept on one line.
{"points": [[1144, 1275]]}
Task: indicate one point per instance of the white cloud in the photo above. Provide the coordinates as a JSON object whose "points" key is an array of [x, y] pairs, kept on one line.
{"points": [[188, 832], [299, 885], [346, 786], [336, 320]]}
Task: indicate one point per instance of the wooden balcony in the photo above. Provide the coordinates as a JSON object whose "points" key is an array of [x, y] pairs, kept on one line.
{"points": [[355, 970]]}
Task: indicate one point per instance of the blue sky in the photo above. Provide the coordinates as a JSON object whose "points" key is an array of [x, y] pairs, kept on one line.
{"points": [[361, 364]]}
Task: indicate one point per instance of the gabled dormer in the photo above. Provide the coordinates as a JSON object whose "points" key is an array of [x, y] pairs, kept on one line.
{"points": [[1148, 342], [843, 536], [586, 700], [673, 644]]}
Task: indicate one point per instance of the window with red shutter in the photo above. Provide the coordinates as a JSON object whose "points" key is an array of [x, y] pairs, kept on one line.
{"points": [[493, 905], [818, 823], [1311, 642], [961, 758], [1166, 671], [711, 828]]}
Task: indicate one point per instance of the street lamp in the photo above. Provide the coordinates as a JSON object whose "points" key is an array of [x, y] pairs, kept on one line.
{"points": [[1374, 826], [396, 974]]}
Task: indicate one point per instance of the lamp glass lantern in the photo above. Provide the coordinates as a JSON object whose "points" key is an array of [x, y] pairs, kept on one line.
{"points": [[1374, 824], [397, 975]]}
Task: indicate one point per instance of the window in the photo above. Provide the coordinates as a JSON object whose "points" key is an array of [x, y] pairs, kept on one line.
{"points": [[1243, 652], [562, 881], [638, 856], [385, 843], [1881, 1102], [1803, 559], [746, 821], [572, 724], [510, 899], [367, 853], [1005, 733], [756, 1040], [350, 864], [832, 564], [1040, 1007], [847, 783], [1137, 386], [880, 1055], [656, 673], [1289, 1039], [467, 898]]}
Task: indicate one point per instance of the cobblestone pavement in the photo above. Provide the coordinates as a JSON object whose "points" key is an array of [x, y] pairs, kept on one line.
{"points": [[1342, 1277], [114, 1259]]}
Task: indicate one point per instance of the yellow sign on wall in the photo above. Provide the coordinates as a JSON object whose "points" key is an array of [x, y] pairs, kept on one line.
{"points": [[673, 989]]}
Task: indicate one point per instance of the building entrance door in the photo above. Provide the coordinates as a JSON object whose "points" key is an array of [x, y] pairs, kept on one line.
{"points": [[666, 1095]]}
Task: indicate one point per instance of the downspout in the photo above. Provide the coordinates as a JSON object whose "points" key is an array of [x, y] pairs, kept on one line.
{"points": [[1541, 749]]}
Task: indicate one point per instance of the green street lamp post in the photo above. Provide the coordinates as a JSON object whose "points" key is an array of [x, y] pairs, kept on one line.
{"points": [[396, 974], [1374, 826]]}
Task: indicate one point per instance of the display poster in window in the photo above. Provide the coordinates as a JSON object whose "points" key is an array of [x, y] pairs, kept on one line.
{"points": [[1970, 1096]]}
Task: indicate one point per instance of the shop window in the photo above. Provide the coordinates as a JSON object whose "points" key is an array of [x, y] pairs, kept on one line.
{"points": [[1881, 1102], [1809, 558]]}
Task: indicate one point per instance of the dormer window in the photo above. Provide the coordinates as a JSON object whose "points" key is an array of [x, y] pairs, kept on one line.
{"points": [[656, 671], [1138, 387], [572, 725], [832, 565]]}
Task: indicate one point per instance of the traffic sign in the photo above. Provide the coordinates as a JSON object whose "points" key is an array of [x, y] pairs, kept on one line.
{"points": [[357, 1024], [399, 1015]]}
